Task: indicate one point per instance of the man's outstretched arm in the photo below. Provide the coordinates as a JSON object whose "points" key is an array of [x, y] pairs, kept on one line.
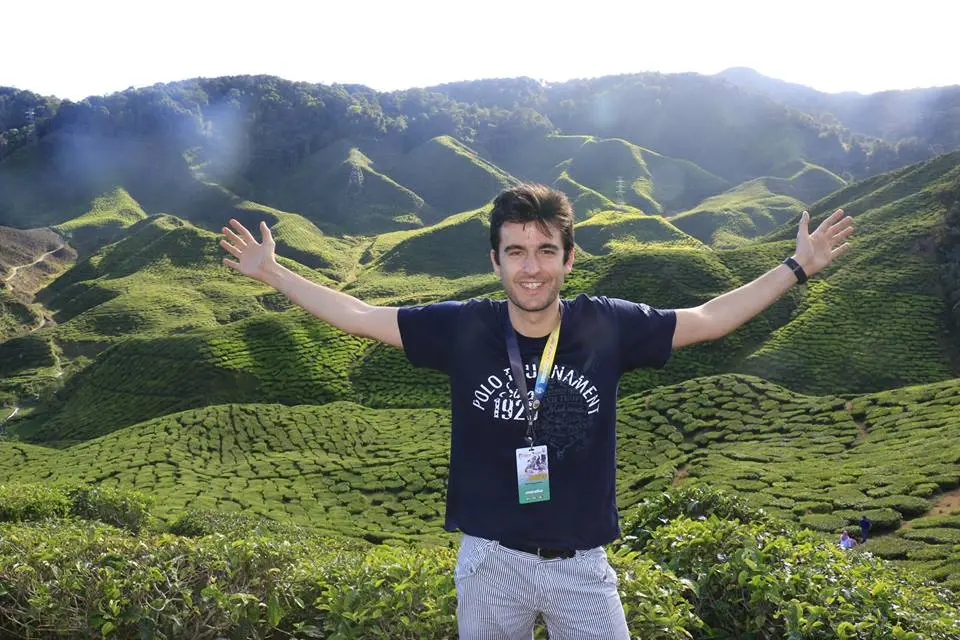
{"points": [[723, 314], [258, 260]]}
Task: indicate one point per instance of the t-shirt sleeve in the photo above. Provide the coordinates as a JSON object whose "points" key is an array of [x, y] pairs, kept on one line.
{"points": [[428, 332], [646, 334]]}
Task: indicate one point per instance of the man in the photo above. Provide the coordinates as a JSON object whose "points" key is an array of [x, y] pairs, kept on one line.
{"points": [[865, 523], [532, 459]]}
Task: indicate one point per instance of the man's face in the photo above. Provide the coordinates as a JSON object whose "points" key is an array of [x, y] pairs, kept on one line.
{"points": [[531, 265]]}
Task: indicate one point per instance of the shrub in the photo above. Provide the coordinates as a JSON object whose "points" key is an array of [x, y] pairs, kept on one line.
{"points": [[119, 507], [23, 502], [909, 506], [693, 501], [935, 535], [952, 521], [196, 523], [754, 580], [80, 579], [827, 522], [123, 508], [891, 547], [880, 519]]}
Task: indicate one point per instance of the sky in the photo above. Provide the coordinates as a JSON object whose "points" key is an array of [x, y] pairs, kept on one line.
{"points": [[74, 49]]}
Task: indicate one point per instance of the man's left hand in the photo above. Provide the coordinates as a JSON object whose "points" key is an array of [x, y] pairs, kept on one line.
{"points": [[818, 249]]}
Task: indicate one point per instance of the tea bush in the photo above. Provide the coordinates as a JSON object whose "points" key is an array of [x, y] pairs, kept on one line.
{"points": [[695, 563], [24, 502], [757, 581], [124, 508], [81, 579]]}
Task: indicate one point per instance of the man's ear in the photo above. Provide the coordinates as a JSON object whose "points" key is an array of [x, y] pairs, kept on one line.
{"points": [[568, 265], [495, 262]]}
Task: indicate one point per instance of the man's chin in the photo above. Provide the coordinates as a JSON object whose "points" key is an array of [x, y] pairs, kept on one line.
{"points": [[532, 307]]}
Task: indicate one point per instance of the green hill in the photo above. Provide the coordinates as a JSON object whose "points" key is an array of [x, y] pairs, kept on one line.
{"points": [[541, 159], [109, 215], [58, 178], [450, 176], [338, 187], [746, 211], [612, 231], [16, 316], [605, 168], [148, 284], [881, 313], [648, 181]]}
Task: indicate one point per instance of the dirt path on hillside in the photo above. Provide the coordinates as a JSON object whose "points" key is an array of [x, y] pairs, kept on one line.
{"points": [[945, 504], [679, 476], [949, 501], [27, 266], [862, 433]]}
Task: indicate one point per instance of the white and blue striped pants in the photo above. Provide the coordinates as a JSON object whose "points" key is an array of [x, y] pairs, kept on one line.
{"points": [[500, 592]]}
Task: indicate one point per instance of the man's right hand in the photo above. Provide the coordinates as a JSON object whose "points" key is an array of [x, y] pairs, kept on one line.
{"points": [[350, 315], [254, 259]]}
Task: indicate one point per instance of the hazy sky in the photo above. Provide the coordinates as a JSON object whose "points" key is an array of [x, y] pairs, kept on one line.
{"points": [[73, 49]]}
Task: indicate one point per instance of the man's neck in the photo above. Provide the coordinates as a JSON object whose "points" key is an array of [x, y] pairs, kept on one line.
{"points": [[534, 324]]}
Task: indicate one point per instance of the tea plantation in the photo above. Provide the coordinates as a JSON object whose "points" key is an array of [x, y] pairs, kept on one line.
{"points": [[184, 453]]}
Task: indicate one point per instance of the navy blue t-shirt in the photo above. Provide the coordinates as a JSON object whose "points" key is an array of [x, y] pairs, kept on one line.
{"points": [[600, 339]]}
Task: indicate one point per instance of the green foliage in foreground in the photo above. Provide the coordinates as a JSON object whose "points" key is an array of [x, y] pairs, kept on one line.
{"points": [[123, 508], [758, 577], [710, 577]]}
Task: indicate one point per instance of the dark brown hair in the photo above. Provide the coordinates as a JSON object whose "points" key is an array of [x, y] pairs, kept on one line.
{"points": [[535, 203]]}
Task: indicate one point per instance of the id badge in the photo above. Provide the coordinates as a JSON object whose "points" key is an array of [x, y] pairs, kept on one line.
{"points": [[533, 474]]}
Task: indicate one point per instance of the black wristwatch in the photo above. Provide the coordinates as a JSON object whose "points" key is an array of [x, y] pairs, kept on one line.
{"points": [[797, 269]]}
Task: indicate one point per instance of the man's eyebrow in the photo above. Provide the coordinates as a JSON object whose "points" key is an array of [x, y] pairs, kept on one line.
{"points": [[545, 245]]}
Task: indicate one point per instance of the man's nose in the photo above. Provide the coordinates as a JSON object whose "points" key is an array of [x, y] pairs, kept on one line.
{"points": [[531, 264]]}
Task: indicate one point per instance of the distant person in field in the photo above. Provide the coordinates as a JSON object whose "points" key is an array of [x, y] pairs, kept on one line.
{"points": [[865, 523], [536, 375], [846, 541]]}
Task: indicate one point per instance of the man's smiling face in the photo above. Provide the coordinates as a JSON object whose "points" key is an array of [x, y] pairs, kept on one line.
{"points": [[531, 265]]}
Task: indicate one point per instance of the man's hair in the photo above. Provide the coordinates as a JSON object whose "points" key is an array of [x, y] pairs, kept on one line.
{"points": [[536, 203]]}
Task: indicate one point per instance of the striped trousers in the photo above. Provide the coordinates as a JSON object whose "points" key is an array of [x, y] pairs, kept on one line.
{"points": [[500, 592]]}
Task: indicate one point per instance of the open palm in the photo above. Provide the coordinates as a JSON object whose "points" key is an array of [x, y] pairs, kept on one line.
{"points": [[254, 259], [818, 249]]}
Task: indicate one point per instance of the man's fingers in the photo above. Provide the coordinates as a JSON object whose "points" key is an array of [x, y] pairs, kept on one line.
{"points": [[840, 226], [265, 230], [839, 251], [804, 224], [842, 235], [832, 219], [232, 250], [234, 238], [242, 230], [232, 264]]}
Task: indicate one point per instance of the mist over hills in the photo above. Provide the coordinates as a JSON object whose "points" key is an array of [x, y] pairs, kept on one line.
{"points": [[130, 356], [917, 116]]}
